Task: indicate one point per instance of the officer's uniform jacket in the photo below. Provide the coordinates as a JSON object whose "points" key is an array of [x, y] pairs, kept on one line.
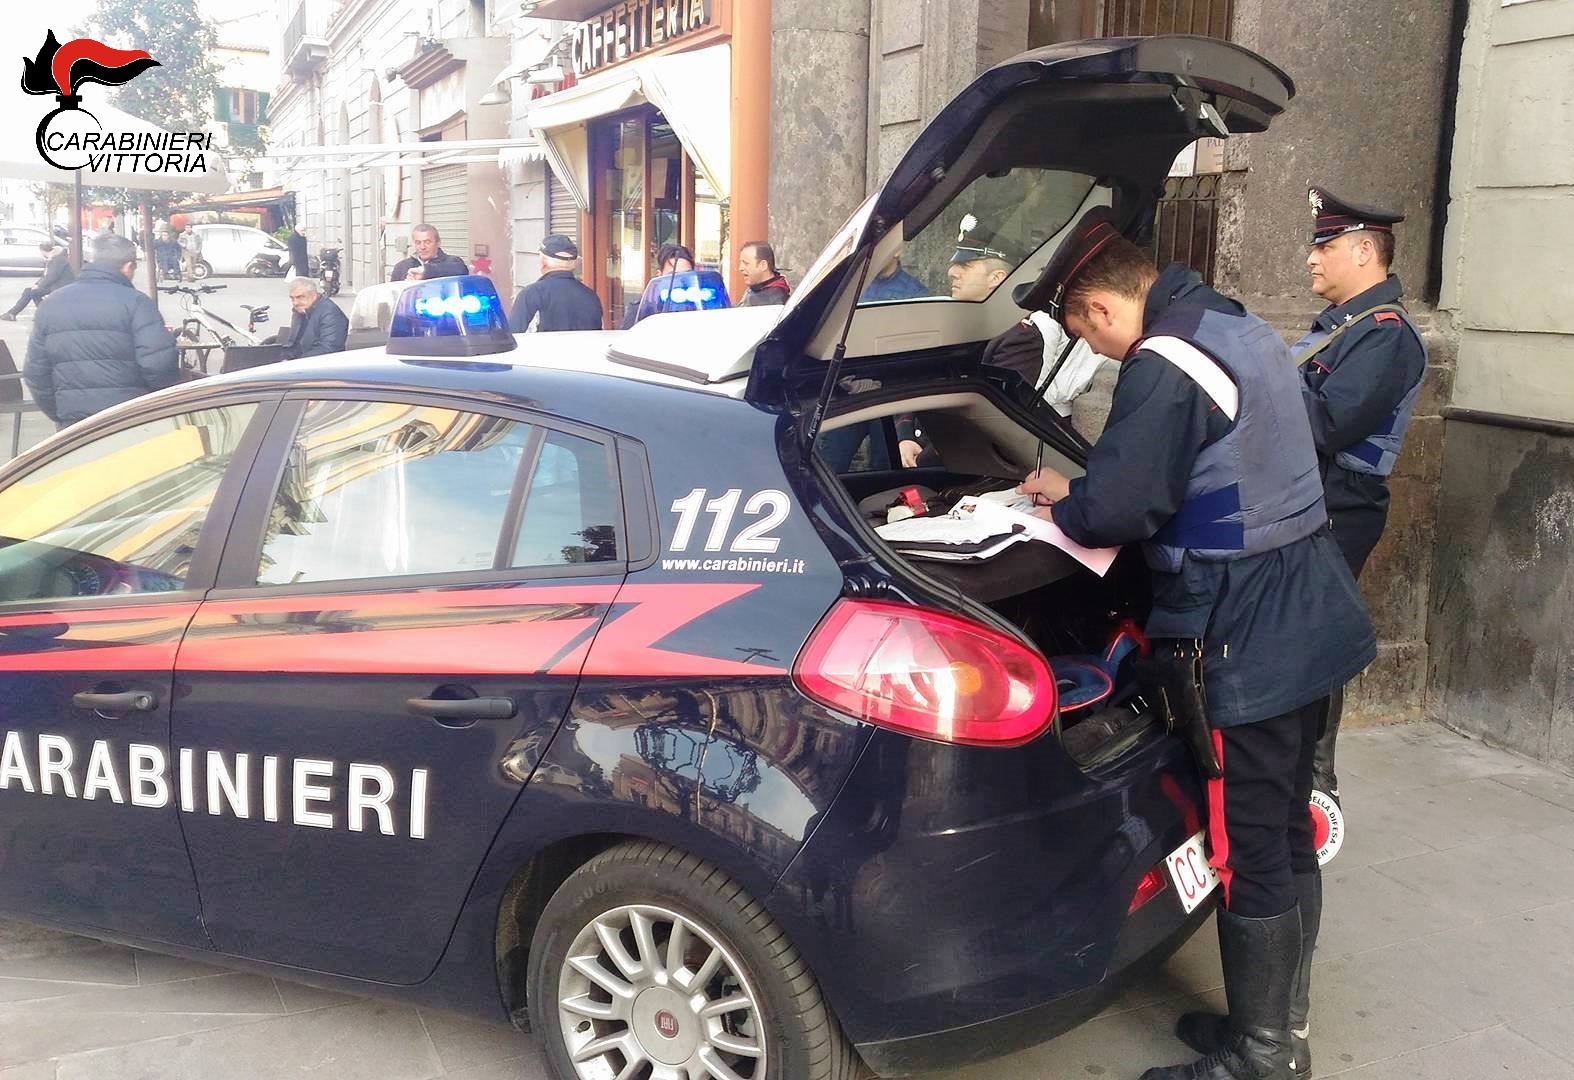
{"points": [[1259, 580], [1360, 391]]}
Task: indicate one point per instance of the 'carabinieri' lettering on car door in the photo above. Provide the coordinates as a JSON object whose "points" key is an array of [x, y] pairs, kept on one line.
{"points": [[308, 792]]}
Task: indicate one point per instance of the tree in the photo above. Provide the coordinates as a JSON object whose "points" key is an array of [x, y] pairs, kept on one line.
{"points": [[178, 95]]}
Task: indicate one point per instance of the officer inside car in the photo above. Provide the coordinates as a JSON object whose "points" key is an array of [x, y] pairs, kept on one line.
{"points": [[1361, 370], [1207, 460]]}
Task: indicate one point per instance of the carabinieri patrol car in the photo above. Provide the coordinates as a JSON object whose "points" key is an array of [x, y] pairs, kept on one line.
{"points": [[557, 679]]}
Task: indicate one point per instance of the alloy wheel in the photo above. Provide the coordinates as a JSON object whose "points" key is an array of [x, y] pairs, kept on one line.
{"points": [[648, 994]]}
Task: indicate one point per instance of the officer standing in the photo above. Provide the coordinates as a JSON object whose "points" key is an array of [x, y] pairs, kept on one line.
{"points": [[1361, 369], [1208, 461], [557, 300]]}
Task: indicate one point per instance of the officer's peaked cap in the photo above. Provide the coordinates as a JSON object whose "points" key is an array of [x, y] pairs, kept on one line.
{"points": [[1334, 216], [1092, 233]]}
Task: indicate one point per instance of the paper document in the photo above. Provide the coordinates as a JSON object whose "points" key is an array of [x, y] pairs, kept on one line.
{"points": [[981, 527]]}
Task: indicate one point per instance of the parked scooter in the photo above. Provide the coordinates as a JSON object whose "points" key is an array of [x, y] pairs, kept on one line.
{"points": [[328, 271], [265, 265]]}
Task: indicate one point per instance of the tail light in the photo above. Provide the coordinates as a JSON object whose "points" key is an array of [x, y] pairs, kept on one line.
{"points": [[928, 674], [1151, 885]]}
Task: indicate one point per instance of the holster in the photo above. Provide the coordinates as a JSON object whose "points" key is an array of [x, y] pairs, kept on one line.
{"points": [[1172, 681]]}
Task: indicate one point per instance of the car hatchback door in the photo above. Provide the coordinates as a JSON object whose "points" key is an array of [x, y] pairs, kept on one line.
{"points": [[405, 603], [106, 547]]}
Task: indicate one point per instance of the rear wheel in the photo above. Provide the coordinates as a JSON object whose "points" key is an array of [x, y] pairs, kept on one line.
{"points": [[650, 964]]}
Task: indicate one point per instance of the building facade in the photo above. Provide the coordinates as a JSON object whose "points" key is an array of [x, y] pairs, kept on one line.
{"points": [[1502, 635], [386, 116], [658, 132]]}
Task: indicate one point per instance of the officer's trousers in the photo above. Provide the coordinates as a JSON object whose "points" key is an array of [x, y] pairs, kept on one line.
{"points": [[1259, 828]]}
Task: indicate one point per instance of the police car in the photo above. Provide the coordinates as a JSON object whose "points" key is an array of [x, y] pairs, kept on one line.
{"points": [[558, 679]]}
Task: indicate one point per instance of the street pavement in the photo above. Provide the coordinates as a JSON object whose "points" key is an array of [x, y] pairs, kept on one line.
{"points": [[1447, 954], [237, 291]]}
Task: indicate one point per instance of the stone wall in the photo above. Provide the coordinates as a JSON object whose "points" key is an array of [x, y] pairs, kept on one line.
{"points": [[1502, 636], [819, 147]]}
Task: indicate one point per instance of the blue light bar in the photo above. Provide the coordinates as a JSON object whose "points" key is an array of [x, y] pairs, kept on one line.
{"points": [[451, 316], [692, 290]]}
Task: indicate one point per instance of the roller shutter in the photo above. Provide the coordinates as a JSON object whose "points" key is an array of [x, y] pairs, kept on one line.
{"points": [[445, 202], [562, 213]]}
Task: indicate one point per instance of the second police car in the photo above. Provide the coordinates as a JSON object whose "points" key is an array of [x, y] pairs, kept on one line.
{"points": [[558, 680]]}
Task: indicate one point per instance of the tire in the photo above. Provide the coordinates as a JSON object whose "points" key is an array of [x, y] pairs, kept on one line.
{"points": [[333, 286], [728, 934], [202, 270]]}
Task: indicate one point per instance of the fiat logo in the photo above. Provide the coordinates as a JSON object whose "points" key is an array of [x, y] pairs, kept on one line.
{"points": [[667, 1025]]}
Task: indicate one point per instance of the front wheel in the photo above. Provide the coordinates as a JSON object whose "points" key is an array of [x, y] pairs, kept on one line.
{"points": [[651, 963], [331, 285], [202, 270]]}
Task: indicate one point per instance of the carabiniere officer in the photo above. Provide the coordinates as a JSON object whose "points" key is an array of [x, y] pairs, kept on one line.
{"points": [[1208, 462], [1361, 370]]}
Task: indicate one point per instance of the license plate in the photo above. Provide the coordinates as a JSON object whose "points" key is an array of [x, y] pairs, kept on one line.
{"points": [[1194, 879]]}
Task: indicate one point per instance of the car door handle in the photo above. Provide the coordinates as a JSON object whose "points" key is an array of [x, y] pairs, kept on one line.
{"points": [[128, 701], [479, 708]]}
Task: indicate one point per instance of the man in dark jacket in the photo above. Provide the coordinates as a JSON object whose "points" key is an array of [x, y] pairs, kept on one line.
{"points": [[57, 273], [557, 300], [430, 260], [767, 288], [300, 261], [1208, 461], [98, 341], [319, 327]]}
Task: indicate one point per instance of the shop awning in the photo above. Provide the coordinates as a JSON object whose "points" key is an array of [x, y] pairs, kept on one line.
{"points": [[692, 90], [235, 200], [391, 155]]}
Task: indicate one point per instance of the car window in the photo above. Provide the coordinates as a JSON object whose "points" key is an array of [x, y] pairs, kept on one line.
{"points": [[120, 515], [378, 489], [571, 509], [989, 230]]}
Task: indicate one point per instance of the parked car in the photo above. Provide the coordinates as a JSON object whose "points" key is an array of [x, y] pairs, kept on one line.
{"points": [[233, 249], [19, 248], [558, 679]]}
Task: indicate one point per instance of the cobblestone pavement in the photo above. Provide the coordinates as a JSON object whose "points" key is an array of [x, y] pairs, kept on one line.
{"points": [[1447, 954]]}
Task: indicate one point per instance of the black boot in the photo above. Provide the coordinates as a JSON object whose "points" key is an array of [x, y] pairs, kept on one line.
{"points": [[1261, 958], [1324, 777], [1207, 1033]]}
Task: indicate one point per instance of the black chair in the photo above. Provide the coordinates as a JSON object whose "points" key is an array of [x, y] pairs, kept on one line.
{"points": [[12, 401]]}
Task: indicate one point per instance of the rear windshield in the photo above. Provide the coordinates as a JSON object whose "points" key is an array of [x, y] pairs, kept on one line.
{"points": [[992, 228]]}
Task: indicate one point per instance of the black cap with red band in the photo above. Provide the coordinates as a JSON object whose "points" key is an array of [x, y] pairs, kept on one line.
{"points": [[1336, 216], [1091, 234]]}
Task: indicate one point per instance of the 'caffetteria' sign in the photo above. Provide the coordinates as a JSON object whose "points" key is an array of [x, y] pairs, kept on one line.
{"points": [[634, 27]]}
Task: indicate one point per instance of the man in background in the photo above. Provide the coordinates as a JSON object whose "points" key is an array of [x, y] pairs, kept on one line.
{"points": [[430, 260], [766, 286], [57, 273], [98, 341], [319, 327], [557, 300]]}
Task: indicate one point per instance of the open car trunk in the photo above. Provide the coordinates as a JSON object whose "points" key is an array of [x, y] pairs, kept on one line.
{"points": [[985, 437], [996, 181]]}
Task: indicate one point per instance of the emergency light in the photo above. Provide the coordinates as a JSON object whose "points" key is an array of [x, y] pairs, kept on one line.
{"points": [[692, 290], [451, 316]]}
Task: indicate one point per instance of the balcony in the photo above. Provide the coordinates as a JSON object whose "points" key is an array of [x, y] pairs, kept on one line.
{"points": [[305, 44]]}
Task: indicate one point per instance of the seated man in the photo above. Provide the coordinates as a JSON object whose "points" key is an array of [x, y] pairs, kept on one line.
{"points": [[319, 327], [57, 272]]}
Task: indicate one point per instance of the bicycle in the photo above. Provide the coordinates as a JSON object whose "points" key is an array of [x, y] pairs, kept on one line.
{"points": [[189, 337]]}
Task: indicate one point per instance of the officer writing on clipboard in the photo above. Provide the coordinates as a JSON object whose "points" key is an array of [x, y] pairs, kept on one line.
{"points": [[1208, 461], [1361, 371]]}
